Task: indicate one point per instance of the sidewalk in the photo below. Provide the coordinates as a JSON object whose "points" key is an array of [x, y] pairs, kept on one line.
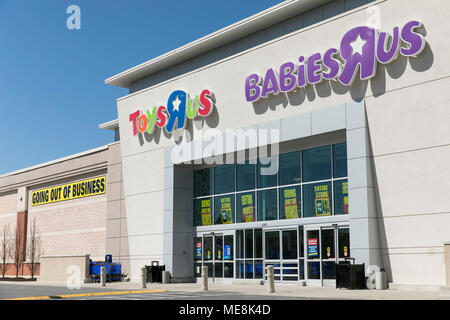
{"points": [[280, 290]]}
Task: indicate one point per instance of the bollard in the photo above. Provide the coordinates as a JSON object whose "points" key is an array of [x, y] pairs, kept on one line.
{"points": [[380, 280], [144, 277], [165, 277], [204, 278], [270, 279], [103, 276]]}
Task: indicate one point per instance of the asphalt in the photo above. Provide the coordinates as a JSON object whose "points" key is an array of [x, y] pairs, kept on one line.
{"points": [[192, 291]]}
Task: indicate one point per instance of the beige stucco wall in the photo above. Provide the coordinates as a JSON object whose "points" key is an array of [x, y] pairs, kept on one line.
{"points": [[407, 113], [71, 269]]}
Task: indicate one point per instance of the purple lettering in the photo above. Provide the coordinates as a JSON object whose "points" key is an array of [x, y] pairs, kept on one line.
{"points": [[314, 67], [358, 50], [287, 72], [414, 40], [301, 73], [270, 84], [253, 88], [385, 55], [332, 64]]}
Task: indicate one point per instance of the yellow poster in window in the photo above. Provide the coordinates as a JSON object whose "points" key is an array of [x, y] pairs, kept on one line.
{"points": [[206, 212], [322, 200], [226, 214], [345, 196], [248, 212], [290, 203]]}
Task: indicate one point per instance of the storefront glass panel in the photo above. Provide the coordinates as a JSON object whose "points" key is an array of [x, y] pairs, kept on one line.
{"points": [[248, 243], [289, 244], [207, 248], [341, 197], [317, 199], [228, 270], [224, 212], [245, 176], [218, 248], [224, 179], [316, 163], [202, 212], [272, 239], [290, 172], [340, 160], [203, 182], [344, 243], [228, 248], [267, 205], [246, 207], [267, 172], [290, 202], [258, 243]]}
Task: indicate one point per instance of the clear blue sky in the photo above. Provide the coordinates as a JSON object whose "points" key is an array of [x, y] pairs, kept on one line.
{"points": [[52, 91]]}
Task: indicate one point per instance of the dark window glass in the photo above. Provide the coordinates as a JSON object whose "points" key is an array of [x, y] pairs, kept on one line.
{"points": [[317, 163], [218, 270], [290, 202], [245, 176], [202, 212], [208, 249], [301, 269], [224, 209], [197, 270], [210, 269], [340, 160], [240, 269], [258, 243], [317, 199], [228, 248], [290, 172], [344, 242], [228, 270], [249, 243], [327, 241], [272, 244], [197, 249], [341, 197], [218, 250], [258, 269], [329, 270], [246, 207], [203, 182], [249, 269], [289, 244], [267, 172], [224, 179], [267, 205]]}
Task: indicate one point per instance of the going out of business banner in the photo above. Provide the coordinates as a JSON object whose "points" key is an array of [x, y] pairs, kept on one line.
{"points": [[74, 190]]}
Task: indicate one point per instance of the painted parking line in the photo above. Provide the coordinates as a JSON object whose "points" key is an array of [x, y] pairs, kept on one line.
{"points": [[92, 294]]}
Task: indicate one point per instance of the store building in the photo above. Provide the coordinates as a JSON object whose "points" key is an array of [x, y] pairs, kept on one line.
{"points": [[309, 133]]}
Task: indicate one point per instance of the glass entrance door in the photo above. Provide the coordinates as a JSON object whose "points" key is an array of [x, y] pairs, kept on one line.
{"points": [[281, 251], [325, 246], [216, 251]]}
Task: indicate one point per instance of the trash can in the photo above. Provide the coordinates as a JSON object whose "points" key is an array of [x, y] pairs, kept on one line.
{"points": [[380, 280], [350, 276], [154, 272]]}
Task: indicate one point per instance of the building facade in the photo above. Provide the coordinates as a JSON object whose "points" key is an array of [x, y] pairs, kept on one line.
{"points": [[307, 134]]}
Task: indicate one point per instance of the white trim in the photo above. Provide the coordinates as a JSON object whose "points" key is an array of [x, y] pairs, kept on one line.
{"points": [[110, 125], [258, 21]]}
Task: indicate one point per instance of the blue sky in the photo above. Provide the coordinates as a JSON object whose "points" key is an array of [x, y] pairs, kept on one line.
{"points": [[53, 95]]}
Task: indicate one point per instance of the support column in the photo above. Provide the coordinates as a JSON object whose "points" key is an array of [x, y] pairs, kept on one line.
{"points": [[22, 219], [364, 234]]}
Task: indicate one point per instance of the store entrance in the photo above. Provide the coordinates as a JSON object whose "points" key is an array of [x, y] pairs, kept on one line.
{"points": [[325, 246], [214, 250], [281, 251]]}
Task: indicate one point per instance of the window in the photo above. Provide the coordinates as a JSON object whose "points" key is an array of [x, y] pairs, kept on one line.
{"points": [[224, 209], [224, 179], [202, 212], [340, 160], [290, 202], [246, 207], [317, 163], [341, 197], [245, 176], [203, 182], [300, 184], [317, 199], [267, 205], [249, 254], [267, 172], [290, 172]]}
